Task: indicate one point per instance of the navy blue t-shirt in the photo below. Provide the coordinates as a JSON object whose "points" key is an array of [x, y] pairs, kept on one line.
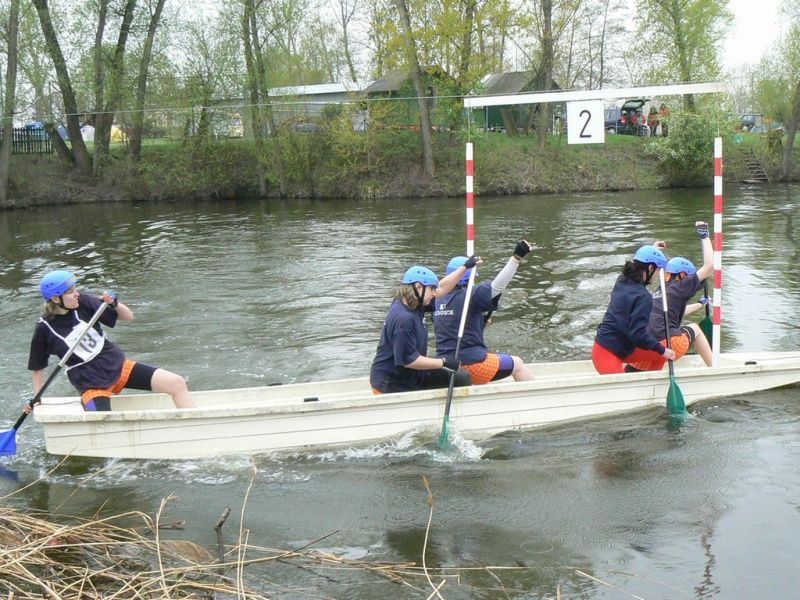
{"points": [[679, 292], [404, 338], [447, 319], [624, 326], [102, 371]]}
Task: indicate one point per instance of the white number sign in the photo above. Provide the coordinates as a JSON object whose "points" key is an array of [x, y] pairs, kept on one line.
{"points": [[585, 122]]}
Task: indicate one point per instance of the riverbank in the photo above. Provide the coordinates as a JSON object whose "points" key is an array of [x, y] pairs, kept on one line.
{"points": [[386, 166]]}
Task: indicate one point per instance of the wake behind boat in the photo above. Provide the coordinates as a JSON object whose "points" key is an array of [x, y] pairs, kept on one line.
{"points": [[345, 412]]}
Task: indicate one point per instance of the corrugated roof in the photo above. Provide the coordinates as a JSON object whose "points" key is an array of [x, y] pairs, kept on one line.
{"points": [[390, 82], [508, 83], [318, 89]]}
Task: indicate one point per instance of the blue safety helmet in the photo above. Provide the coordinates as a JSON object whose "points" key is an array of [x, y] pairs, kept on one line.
{"points": [[56, 283], [455, 263], [651, 254], [422, 275], [680, 265]]}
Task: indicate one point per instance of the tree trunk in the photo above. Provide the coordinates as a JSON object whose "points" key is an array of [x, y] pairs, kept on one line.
{"points": [[102, 135], [10, 101], [791, 131], [263, 93], [141, 89], [546, 69], [255, 111], [99, 81], [81, 158], [59, 144], [426, 138]]}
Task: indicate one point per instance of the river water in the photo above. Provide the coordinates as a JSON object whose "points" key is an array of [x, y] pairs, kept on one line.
{"points": [[233, 294]]}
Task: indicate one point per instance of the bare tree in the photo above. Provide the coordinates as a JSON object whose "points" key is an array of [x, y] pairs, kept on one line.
{"points": [[80, 154], [104, 117], [426, 138], [344, 15], [141, 86]]}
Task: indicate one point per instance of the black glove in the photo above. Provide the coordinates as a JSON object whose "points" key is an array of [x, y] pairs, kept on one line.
{"points": [[113, 297], [702, 230], [521, 249], [471, 262], [451, 364]]}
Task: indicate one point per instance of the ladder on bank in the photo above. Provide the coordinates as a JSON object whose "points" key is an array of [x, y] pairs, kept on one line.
{"points": [[755, 170]]}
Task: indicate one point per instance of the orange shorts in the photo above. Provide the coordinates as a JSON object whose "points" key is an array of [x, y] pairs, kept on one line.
{"points": [[680, 346], [89, 395], [484, 372]]}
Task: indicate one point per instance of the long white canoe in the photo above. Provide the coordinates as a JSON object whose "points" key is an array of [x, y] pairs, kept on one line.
{"points": [[345, 412]]}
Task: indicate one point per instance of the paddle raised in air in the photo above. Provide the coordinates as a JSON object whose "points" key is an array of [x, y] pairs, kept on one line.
{"points": [[706, 324], [675, 403], [445, 433], [8, 439]]}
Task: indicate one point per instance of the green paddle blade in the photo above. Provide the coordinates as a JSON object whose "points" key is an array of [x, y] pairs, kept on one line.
{"points": [[707, 327], [443, 436], [675, 403]]}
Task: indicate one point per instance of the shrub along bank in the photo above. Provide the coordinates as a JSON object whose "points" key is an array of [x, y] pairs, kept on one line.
{"points": [[386, 164]]}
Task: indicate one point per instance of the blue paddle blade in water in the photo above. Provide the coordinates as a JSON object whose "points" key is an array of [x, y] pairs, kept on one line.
{"points": [[8, 443]]}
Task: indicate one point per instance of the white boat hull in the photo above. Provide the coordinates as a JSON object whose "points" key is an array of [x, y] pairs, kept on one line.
{"points": [[345, 412]]}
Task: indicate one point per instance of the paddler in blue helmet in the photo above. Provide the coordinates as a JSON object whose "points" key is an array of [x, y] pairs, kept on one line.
{"points": [[98, 368], [401, 362], [623, 336], [483, 366]]}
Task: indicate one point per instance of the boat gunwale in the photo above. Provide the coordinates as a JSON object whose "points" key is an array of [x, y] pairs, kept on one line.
{"points": [[50, 412]]}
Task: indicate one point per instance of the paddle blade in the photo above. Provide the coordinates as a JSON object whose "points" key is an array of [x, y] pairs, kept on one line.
{"points": [[675, 403], [8, 442], [444, 435], [707, 327]]}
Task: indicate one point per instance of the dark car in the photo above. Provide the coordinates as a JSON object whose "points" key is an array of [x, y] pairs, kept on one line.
{"points": [[628, 119]]}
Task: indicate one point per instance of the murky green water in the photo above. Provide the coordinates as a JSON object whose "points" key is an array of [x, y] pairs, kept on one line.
{"points": [[241, 294]]}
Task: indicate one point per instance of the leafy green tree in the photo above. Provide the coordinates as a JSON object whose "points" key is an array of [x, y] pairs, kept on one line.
{"points": [[680, 39]]}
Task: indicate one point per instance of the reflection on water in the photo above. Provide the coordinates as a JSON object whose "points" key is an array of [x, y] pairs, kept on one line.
{"points": [[234, 294]]}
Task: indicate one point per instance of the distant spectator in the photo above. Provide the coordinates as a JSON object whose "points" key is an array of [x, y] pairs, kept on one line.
{"points": [[663, 112], [653, 120]]}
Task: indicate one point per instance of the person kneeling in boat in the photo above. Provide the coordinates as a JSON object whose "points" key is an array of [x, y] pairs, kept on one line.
{"points": [[98, 367], [401, 363], [622, 337], [683, 281], [483, 366]]}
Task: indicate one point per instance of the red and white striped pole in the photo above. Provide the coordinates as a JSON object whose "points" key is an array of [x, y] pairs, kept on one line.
{"points": [[470, 203], [717, 313]]}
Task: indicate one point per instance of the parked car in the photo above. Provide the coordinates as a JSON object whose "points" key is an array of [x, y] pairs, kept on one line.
{"points": [[623, 119]]}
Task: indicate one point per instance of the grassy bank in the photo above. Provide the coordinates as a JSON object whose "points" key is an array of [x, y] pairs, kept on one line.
{"points": [[360, 165]]}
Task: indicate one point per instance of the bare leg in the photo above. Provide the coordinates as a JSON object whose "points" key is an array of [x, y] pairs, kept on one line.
{"points": [[173, 384], [701, 345], [521, 372]]}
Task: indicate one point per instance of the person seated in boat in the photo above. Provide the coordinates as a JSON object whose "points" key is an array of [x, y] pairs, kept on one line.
{"points": [[98, 368], [683, 281], [401, 363], [483, 366], [622, 337]]}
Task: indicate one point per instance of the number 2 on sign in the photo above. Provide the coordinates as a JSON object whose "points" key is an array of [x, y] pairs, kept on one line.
{"points": [[585, 122], [588, 115]]}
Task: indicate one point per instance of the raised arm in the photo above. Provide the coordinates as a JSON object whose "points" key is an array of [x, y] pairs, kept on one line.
{"points": [[500, 282], [708, 251]]}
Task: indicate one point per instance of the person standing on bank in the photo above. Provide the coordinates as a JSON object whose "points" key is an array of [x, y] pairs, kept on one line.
{"points": [[623, 337], [98, 367], [401, 363], [483, 366]]}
